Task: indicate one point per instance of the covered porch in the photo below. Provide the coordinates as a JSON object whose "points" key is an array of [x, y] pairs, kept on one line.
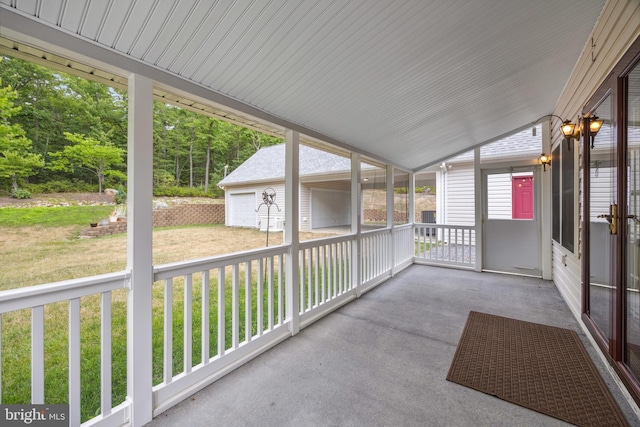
{"points": [[346, 330], [383, 360]]}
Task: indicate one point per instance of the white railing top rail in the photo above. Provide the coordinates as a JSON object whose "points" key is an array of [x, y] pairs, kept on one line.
{"points": [[403, 226], [434, 225], [34, 296], [376, 231], [166, 271], [325, 241]]}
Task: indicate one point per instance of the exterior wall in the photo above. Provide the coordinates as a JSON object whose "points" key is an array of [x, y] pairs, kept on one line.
{"points": [[305, 198], [615, 31], [261, 215], [459, 203]]}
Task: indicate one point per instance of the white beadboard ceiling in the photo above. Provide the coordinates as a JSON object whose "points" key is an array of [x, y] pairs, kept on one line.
{"points": [[407, 81]]}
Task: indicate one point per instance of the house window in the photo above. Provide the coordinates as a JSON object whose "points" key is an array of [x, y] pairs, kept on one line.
{"points": [[563, 196]]}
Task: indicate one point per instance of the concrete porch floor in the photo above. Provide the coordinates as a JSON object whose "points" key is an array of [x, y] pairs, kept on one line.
{"points": [[382, 360]]}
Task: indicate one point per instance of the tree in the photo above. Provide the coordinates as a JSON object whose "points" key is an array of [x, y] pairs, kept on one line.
{"points": [[16, 158], [98, 156]]}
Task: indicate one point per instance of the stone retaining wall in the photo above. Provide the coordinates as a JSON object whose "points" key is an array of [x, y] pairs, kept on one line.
{"points": [[376, 215], [172, 216]]}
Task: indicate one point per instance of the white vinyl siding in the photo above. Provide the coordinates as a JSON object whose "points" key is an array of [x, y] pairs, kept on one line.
{"points": [[330, 208], [460, 199]]}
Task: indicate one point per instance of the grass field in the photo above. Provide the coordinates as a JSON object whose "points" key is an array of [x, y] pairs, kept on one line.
{"points": [[42, 245]]}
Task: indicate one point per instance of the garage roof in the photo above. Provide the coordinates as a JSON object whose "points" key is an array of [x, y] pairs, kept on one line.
{"points": [[409, 82]]}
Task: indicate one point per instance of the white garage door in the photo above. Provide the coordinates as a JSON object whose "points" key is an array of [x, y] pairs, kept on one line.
{"points": [[242, 210], [330, 208]]}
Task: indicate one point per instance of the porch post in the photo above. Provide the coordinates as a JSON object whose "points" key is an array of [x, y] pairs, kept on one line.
{"points": [[390, 217], [477, 179], [356, 223], [545, 200], [139, 249], [292, 227], [412, 198]]}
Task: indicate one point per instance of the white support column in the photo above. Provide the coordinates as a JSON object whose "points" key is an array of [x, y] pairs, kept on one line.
{"points": [[478, 188], [292, 227], [412, 198], [390, 196], [545, 202], [356, 223], [390, 217], [139, 249]]}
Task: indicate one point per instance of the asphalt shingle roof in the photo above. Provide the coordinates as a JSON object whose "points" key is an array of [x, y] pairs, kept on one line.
{"points": [[268, 163]]}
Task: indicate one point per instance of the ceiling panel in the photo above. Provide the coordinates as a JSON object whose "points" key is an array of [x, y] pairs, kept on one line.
{"points": [[409, 81]]}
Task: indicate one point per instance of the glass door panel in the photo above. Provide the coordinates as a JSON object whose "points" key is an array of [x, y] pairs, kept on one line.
{"points": [[603, 176], [632, 237]]}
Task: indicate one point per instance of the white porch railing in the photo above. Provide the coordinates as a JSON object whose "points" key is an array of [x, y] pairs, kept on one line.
{"points": [[377, 262], [445, 244], [33, 301], [212, 315], [235, 312], [325, 276]]}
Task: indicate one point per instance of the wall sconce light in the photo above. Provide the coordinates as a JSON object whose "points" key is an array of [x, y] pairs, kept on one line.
{"points": [[545, 161], [595, 124], [569, 131], [572, 131]]}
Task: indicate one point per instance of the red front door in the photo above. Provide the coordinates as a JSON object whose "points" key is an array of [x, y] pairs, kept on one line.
{"points": [[522, 197]]}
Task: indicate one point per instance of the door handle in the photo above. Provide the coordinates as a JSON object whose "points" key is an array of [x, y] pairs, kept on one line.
{"points": [[612, 218]]}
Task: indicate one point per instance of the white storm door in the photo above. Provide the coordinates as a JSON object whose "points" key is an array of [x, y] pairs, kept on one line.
{"points": [[511, 239]]}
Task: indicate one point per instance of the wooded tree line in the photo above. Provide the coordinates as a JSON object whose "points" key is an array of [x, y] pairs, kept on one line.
{"points": [[59, 132]]}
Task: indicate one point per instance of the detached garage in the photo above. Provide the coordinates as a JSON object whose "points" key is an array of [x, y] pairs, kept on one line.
{"points": [[325, 197]]}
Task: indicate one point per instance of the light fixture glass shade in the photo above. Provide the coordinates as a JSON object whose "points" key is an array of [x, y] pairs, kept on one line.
{"points": [[544, 160], [568, 129], [594, 125]]}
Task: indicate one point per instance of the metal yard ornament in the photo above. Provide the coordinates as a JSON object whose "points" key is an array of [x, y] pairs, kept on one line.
{"points": [[268, 199]]}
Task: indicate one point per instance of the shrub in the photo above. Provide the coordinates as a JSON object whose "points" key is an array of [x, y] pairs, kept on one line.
{"points": [[180, 192], [121, 195], [62, 186], [21, 193]]}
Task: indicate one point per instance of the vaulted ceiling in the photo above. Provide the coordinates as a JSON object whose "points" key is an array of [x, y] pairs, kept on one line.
{"points": [[410, 82]]}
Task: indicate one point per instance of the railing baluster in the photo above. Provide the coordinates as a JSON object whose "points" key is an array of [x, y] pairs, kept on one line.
{"points": [[248, 287], [316, 274], [301, 280], [309, 278], [270, 281], [340, 257], [168, 331], [188, 322], [280, 293], [235, 309], [323, 275], [74, 366], [332, 270], [37, 355], [221, 312], [0, 358], [205, 317], [105, 352], [260, 298]]}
